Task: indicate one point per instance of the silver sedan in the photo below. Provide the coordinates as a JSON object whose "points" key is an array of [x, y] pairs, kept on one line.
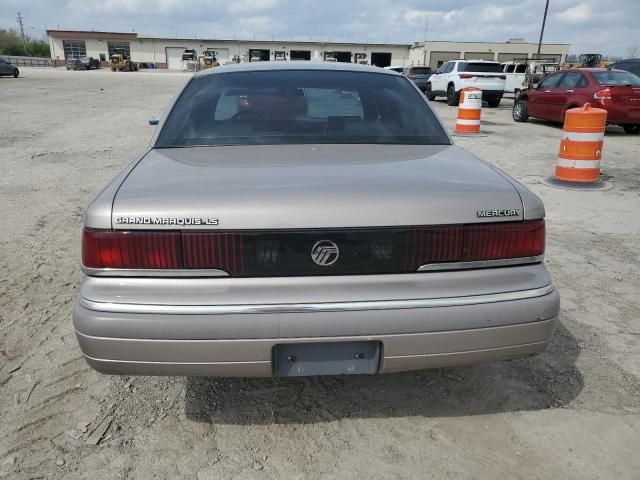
{"points": [[309, 219]]}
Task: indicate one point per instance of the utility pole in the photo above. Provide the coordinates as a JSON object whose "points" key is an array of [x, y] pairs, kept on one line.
{"points": [[19, 18], [424, 50], [544, 21]]}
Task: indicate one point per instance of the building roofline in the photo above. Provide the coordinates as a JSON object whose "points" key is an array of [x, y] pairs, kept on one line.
{"points": [[419, 44], [60, 33]]}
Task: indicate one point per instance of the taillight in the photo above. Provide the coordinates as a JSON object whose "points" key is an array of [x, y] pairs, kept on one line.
{"points": [[221, 251], [603, 94], [411, 75], [502, 77], [507, 240], [468, 243], [467, 75], [131, 250]]}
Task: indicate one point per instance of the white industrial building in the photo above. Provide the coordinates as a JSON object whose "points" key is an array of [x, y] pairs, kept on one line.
{"points": [[160, 52]]}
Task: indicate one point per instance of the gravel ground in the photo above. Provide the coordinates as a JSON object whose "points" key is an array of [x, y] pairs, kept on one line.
{"points": [[571, 413]]}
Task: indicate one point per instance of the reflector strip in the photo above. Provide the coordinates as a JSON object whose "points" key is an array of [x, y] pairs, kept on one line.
{"points": [[578, 163]]}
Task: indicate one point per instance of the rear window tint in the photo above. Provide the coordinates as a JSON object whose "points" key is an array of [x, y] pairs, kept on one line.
{"points": [[300, 107], [612, 77], [421, 71], [481, 67]]}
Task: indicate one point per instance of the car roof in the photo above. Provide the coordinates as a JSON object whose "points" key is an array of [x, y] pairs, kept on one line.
{"points": [[474, 61], [295, 65]]}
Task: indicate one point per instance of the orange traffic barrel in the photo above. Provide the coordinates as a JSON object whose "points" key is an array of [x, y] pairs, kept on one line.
{"points": [[469, 110], [581, 145]]}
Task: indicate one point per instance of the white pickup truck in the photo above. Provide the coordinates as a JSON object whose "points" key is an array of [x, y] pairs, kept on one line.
{"points": [[516, 73]]}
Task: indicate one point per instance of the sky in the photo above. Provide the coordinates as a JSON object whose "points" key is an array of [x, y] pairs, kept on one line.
{"points": [[611, 28]]}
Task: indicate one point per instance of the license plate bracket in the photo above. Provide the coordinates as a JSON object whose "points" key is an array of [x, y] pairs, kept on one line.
{"points": [[326, 358]]}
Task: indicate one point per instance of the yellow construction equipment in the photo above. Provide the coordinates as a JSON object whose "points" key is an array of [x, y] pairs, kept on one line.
{"points": [[208, 60], [120, 62]]}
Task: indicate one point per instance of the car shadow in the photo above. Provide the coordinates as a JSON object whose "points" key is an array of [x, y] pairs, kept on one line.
{"points": [[611, 130], [549, 380]]}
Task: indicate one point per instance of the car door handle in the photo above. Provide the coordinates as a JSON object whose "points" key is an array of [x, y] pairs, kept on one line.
{"points": [[569, 91], [547, 91]]}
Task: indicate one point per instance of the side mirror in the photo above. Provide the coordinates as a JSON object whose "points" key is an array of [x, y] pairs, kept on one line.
{"points": [[154, 121]]}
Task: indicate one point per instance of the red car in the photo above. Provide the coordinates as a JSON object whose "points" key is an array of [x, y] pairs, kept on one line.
{"points": [[617, 91]]}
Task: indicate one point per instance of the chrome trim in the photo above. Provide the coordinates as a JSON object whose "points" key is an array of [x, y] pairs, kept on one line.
{"points": [[504, 262], [314, 307], [125, 272]]}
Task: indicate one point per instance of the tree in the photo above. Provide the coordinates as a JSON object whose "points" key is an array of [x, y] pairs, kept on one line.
{"points": [[11, 44], [633, 52]]}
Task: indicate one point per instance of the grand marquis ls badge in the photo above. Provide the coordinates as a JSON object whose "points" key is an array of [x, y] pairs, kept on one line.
{"points": [[165, 221], [325, 253]]}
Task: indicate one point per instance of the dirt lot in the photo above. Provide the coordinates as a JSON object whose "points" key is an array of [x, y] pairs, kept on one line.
{"points": [[571, 413]]}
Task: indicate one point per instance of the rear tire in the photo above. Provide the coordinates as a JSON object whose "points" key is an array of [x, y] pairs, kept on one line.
{"points": [[429, 93], [453, 98], [520, 111], [16, 73], [494, 102], [632, 129]]}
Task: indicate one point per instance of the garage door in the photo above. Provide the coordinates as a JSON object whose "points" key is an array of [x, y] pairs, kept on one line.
{"points": [[222, 54], [509, 57], [478, 56], [437, 59], [174, 58]]}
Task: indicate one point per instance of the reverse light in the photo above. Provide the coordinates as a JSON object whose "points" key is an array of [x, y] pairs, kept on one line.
{"points": [[603, 95]]}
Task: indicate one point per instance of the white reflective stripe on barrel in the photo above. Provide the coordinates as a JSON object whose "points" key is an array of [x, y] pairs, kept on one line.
{"points": [[583, 137], [562, 162], [461, 121]]}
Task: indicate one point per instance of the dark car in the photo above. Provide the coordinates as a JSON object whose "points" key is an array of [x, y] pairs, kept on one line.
{"points": [[82, 63], [616, 91], [189, 55], [7, 69], [630, 65], [418, 75]]}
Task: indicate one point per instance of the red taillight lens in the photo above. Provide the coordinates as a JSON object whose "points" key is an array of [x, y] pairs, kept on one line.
{"points": [[498, 241], [411, 75], [432, 245], [476, 242], [603, 94], [467, 75], [213, 250], [502, 77], [137, 250]]}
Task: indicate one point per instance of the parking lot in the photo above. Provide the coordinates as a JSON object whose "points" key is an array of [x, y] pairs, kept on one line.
{"points": [[571, 413]]}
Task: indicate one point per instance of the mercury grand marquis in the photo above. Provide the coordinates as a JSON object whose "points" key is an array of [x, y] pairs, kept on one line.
{"points": [[294, 219]]}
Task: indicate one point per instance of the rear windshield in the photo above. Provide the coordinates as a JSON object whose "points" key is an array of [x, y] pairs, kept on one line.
{"points": [[297, 107], [480, 67], [633, 67], [613, 78], [421, 71]]}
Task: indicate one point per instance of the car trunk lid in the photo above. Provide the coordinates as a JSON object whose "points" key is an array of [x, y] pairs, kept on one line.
{"points": [[311, 187]]}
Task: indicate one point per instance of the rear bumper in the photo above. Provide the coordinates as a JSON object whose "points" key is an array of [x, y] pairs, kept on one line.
{"points": [[253, 358], [238, 339]]}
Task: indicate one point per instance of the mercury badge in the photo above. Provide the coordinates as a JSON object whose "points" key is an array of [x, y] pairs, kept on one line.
{"points": [[507, 212], [325, 253]]}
